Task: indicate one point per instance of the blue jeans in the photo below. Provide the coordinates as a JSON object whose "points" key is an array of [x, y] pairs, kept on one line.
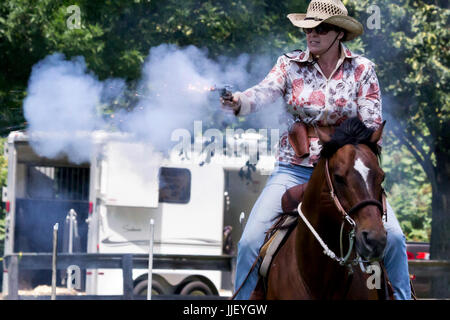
{"points": [[268, 206]]}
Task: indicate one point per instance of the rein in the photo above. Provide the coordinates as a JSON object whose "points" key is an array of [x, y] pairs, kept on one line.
{"points": [[344, 260]]}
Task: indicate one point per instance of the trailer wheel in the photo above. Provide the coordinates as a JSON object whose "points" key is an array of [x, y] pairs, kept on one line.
{"points": [[196, 288], [157, 288]]}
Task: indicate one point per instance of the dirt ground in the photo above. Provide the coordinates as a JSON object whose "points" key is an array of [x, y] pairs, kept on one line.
{"points": [[45, 290]]}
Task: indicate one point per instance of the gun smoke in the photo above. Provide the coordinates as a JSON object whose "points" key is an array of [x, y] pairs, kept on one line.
{"points": [[66, 101]]}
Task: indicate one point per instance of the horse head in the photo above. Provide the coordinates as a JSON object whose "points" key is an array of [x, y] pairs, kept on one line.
{"points": [[356, 177]]}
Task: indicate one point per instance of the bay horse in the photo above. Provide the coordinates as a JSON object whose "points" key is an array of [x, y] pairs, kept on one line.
{"points": [[344, 197]]}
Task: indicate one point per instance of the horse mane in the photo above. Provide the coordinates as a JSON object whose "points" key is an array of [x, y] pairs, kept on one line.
{"points": [[351, 131]]}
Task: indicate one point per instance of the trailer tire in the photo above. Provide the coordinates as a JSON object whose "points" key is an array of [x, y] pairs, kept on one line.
{"points": [[157, 288], [196, 288]]}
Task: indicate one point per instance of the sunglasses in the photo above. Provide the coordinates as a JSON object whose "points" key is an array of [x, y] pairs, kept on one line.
{"points": [[321, 29]]}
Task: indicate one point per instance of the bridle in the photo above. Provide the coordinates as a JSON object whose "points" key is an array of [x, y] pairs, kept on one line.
{"points": [[381, 205], [346, 217]]}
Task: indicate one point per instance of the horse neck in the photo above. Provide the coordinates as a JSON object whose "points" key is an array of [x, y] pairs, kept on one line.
{"points": [[318, 206], [315, 267]]}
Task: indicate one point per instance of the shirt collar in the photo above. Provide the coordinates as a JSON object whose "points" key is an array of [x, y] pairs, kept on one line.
{"points": [[307, 56]]}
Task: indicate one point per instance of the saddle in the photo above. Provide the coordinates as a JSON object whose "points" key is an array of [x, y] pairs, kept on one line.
{"points": [[273, 242], [275, 238], [299, 135], [277, 235]]}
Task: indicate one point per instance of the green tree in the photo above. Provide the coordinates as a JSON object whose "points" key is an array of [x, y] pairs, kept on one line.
{"points": [[408, 189], [115, 36], [412, 54]]}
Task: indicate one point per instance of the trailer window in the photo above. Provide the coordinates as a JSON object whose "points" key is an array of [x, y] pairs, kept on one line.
{"points": [[62, 183], [174, 185]]}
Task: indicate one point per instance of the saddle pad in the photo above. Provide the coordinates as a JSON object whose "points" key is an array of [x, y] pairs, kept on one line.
{"points": [[269, 249]]}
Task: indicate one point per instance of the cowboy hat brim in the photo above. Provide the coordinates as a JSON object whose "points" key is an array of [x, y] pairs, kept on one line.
{"points": [[351, 25]]}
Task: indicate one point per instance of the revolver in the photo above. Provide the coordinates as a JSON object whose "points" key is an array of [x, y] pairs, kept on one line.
{"points": [[225, 91]]}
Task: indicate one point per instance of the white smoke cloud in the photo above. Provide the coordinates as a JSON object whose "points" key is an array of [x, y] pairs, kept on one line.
{"points": [[61, 103], [64, 97]]}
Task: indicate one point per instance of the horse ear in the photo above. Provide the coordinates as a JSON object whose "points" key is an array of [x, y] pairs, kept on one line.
{"points": [[378, 133], [323, 136]]}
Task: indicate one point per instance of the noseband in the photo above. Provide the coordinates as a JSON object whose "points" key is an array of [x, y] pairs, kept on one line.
{"points": [[346, 217]]}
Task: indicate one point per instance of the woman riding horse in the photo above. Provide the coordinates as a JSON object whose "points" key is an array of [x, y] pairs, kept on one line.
{"points": [[322, 87], [344, 199]]}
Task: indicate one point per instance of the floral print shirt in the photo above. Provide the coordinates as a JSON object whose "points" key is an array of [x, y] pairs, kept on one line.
{"points": [[351, 90]]}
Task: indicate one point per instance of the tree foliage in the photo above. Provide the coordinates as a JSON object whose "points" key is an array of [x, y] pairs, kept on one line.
{"points": [[412, 54], [408, 189], [115, 36]]}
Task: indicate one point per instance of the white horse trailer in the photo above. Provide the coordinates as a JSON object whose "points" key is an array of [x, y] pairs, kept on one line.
{"points": [[197, 209]]}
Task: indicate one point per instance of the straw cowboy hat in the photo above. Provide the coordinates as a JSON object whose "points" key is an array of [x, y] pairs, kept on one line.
{"points": [[327, 11]]}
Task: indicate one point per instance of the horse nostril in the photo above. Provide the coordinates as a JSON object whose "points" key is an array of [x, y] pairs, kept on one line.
{"points": [[373, 244], [367, 239]]}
